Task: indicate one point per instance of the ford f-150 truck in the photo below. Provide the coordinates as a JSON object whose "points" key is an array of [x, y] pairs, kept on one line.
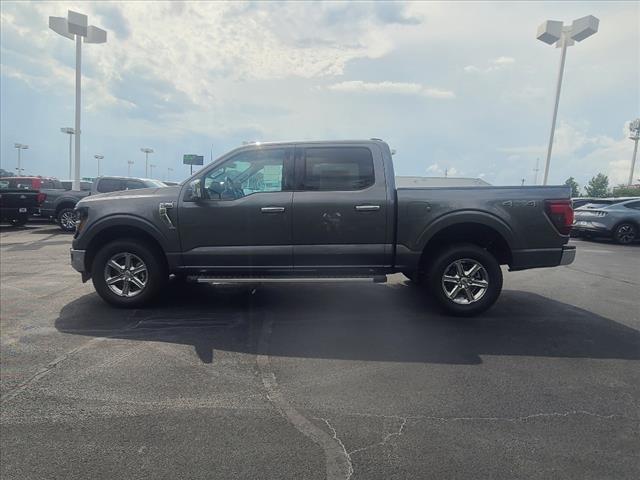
{"points": [[328, 211]]}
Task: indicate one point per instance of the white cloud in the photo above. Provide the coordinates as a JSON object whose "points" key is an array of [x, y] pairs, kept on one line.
{"points": [[493, 65], [401, 88], [579, 154]]}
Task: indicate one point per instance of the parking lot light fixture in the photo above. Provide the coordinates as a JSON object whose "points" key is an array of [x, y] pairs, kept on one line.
{"points": [[98, 158], [169, 170], [146, 151], [69, 131], [634, 134], [129, 163], [20, 147], [555, 32], [75, 26]]}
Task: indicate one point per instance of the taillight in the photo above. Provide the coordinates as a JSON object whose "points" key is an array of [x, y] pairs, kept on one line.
{"points": [[41, 197], [560, 212]]}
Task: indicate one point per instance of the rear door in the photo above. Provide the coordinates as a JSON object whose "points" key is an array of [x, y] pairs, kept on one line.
{"points": [[340, 207]]}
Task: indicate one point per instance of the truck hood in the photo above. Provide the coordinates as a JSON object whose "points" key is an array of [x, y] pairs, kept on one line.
{"points": [[153, 194]]}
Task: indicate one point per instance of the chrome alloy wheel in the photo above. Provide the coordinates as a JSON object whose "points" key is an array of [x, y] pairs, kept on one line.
{"points": [[465, 281], [126, 274], [68, 220], [625, 233]]}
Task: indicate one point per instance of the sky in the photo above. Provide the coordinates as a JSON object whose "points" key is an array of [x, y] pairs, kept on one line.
{"points": [[457, 86]]}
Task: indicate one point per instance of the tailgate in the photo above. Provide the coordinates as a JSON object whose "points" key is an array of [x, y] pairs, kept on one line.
{"points": [[19, 199]]}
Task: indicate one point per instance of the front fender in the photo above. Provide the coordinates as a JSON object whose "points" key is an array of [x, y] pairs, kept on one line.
{"points": [[121, 220]]}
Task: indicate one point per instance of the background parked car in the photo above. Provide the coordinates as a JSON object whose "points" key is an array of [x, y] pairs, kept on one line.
{"points": [[618, 220], [594, 202], [85, 186], [60, 205], [16, 204]]}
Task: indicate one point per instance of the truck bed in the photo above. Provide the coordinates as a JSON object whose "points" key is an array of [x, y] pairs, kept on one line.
{"points": [[516, 213]]}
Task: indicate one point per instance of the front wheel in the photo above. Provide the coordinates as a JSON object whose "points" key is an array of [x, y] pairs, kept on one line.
{"points": [[128, 274], [67, 219], [465, 279], [625, 233]]}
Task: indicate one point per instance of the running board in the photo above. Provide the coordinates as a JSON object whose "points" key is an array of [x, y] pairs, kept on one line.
{"points": [[222, 280]]}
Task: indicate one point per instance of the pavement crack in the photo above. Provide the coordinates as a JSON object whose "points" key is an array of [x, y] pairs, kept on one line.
{"points": [[43, 371], [337, 462], [344, 449], [387, 437]]}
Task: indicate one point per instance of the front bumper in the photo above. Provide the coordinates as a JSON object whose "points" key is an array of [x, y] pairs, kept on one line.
{"points": [[77, 260], [568, 255]]}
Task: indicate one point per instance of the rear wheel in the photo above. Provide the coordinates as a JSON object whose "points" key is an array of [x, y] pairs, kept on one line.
{"points": [[465, 279], [625, 233], [67, 219], [128, 274]]}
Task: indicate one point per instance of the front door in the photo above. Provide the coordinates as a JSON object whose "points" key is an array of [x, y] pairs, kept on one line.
{"points": [[243, 221], [340, 208]]}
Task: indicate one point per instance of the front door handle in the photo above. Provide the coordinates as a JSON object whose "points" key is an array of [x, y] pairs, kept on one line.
{"points": [[367, 208], [272, 209]]}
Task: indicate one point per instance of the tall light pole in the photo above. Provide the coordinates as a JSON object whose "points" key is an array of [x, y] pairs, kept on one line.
{"points": [[98, 158], [76, 26], [146, 151], [169, 170], [129, 163], [69, 131], [551, 32], [151, 167], [20, 147], [634, 134]]}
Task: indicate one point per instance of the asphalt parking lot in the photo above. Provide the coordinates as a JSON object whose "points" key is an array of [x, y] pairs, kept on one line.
{"points": [[319, 381]]}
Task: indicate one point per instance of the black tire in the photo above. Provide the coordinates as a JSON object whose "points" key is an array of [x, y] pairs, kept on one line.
{"points": [[415, 278], [155, 279], [21, 221], [67, 219], [489, 274], [625, 233]]}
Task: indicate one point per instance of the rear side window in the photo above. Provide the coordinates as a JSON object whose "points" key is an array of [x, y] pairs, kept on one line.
{"points": [[337, 168], [22, 184], [134, 185], [107, 185]]}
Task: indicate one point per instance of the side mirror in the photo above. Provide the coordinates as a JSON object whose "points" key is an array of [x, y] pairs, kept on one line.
{"points": [[196, 189]]}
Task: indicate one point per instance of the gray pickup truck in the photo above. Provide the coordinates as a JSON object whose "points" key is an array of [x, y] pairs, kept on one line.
{"points": [[59, 203], [309, 211]]}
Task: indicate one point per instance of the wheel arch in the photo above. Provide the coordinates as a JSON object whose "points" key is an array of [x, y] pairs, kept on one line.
{"points": [[123, 227], [476, 228]]}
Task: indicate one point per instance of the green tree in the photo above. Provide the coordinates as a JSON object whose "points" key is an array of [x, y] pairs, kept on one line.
{"points": [[626, 191], [575, 188], [598, 186]]}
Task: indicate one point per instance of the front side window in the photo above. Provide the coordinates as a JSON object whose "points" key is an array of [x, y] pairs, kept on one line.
{"points": [[634, 205], [337, 168], [254, 171]]}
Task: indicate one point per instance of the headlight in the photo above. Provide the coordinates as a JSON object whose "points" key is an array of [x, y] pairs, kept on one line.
{"points": [[82, 214]]}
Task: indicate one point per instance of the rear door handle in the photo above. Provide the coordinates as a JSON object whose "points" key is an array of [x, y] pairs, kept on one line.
{"points": [[367, 208], [272, 209]]}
